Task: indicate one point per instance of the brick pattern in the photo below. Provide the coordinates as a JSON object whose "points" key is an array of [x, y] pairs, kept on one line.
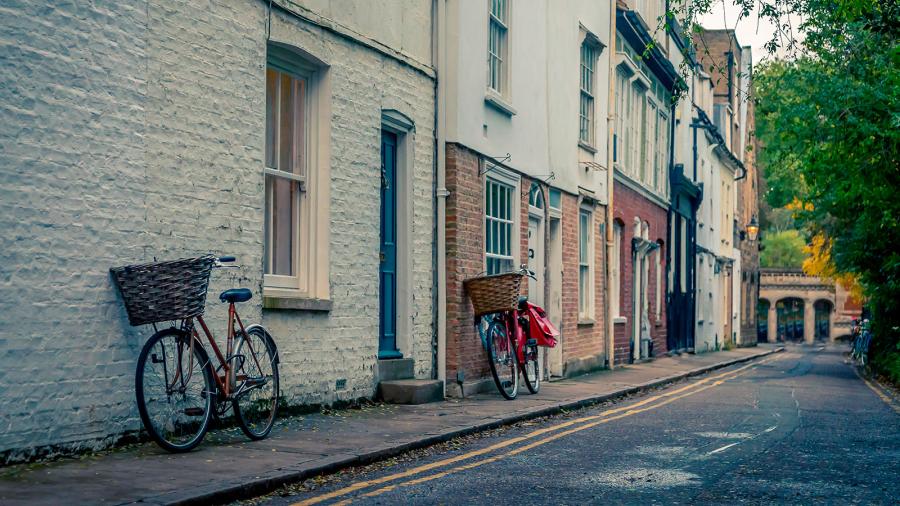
{"points": [[135, 130], [465, 258], [630, 204]]}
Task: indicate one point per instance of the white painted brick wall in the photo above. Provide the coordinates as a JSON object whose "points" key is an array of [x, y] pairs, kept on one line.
{"points": [[130, 130]]}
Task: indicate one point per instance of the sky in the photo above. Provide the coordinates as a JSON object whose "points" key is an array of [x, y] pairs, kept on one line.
{"points": [[750, 31]]}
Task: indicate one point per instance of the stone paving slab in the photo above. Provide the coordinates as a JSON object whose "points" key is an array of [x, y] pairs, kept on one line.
{"points": [[227, 466]]}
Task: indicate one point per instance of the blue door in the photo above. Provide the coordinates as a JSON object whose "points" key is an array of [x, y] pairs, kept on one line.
{"points": [[387, 339]]}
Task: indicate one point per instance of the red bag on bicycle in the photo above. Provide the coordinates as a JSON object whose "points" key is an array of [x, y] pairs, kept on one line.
{"points": [[540, 327]]}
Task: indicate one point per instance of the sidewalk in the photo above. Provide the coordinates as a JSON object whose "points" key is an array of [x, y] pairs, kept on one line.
{"points": [[226, 465]]}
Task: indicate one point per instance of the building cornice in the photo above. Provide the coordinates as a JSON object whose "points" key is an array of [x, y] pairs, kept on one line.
{"points": [[330, 25]]}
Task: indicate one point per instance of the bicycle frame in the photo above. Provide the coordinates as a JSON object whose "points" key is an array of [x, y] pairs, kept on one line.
{"points": [[227, 381]]}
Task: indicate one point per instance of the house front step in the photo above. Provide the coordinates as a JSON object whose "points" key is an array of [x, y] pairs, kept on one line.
{"points": [[396, 369], [410, 391]]}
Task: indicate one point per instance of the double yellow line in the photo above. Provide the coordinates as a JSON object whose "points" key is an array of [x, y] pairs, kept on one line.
{"points": [[573, 426]]}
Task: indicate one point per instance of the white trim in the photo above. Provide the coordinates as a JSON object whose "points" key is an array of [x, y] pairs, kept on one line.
{"points": [[404, 128], [509, 178]]}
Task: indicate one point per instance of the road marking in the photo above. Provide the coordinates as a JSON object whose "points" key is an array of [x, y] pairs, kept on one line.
{"points": [[746, 438], [628, 410], [881, 395]]}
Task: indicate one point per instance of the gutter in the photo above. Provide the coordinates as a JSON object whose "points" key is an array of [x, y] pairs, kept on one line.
{"points": [[441, 192], [610, 183]]}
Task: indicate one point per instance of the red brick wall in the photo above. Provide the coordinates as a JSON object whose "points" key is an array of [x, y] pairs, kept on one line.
{"points": [[628, 205], [582, 340], [465, 258]]}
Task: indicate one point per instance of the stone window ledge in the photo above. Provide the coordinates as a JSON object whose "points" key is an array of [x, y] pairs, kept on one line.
{"points": [[296, 303], [499, 103], [619, 320]]}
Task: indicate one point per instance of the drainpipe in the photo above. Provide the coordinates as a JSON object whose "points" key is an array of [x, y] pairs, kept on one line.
{"points": [[610, 241], [441, 192]]}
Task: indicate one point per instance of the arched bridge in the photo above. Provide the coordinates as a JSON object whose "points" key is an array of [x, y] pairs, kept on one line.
{"points": [[797, 307]]}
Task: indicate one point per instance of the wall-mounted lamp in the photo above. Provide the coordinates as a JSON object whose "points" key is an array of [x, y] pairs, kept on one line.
{"points": [[753, 229]]}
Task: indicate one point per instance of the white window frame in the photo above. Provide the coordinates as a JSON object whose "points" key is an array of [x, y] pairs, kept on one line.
{"points": [[589, 53], [586, 285], [497, 175], [498, 79], [659, 269], [615, 291], [311, 234]]}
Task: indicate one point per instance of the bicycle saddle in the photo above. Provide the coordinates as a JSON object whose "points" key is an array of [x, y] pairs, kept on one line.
{"points": [[522, 302], [236, 295]]}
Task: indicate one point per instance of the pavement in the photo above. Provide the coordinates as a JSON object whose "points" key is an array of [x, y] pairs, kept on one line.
{"points": [[798, 427], [226, 466]]}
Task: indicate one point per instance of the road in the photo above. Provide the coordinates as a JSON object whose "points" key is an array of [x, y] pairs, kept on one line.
{"points": [[797, 427]]}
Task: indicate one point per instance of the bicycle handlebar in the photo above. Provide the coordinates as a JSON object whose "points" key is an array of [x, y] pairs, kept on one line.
{"points": [[220, 261], [525, 271]]}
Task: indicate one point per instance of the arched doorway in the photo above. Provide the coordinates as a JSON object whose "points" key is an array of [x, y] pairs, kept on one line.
{"points": [[823, 319], [790, 319], [762, 320]]}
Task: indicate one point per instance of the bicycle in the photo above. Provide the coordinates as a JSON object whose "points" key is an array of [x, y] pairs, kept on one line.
{"points": [[860, 347], [179, 389], [506, 331]]}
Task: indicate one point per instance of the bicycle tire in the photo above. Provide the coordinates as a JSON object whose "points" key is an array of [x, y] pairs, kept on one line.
{"points": [[509, 389], [253, 428], [202, 361], [532, 358]]}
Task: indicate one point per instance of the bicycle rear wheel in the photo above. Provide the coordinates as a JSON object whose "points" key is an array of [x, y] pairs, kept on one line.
{"points": [[174, 390], [531, 369], [503, 361], [256, 382]]}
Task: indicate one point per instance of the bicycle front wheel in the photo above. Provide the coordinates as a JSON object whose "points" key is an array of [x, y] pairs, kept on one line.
{"points": [[174, 390], [503, 361], [256, 382]]}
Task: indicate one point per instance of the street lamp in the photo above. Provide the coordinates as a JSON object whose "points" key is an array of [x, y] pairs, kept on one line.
{"points": [[753, 229]]}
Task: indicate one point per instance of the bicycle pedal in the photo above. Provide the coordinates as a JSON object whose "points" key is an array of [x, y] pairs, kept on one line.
{"points": [[193, 411]]}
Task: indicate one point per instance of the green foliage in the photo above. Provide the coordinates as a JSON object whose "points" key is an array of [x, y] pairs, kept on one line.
{"points": [[829, 122], [782, 249]]}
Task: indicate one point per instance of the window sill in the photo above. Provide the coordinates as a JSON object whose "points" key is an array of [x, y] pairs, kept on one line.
{"points": [[585, 322], [496, 101], [619, 320], [587, 147], [296, 303]]}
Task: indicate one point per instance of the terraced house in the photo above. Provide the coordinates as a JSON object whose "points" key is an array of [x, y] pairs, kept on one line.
{"points": [[295, 135]]}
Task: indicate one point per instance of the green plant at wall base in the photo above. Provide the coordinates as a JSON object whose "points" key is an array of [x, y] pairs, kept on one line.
{"points": [[783, 249], [829, 121]]}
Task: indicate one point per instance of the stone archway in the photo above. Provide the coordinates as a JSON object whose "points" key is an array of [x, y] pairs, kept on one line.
{"points": [[823, 311], [791, 312]]}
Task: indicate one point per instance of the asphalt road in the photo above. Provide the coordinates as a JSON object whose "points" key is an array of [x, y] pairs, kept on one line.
{"points": [[798, 427]]}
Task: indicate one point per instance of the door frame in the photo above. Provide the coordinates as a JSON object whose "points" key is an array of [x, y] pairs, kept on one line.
{"points": [[403, 128]]}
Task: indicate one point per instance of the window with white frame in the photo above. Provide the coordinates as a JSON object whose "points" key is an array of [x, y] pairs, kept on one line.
{"points": [[616, 261], [498, 46], [294, 260], [586, 109], [499, 224], [659, 269], [585, 264]]}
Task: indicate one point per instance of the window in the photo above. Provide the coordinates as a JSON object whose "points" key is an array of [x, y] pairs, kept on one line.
{"points": [[498, 54], [586, 110], [536, 196], [659, 269], [294, 258], [585, 262], [616, 260], [285, 175], [498, 226]]}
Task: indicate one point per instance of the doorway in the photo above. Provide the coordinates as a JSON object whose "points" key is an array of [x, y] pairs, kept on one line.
{"points": [[387, 294], [555, 364]]}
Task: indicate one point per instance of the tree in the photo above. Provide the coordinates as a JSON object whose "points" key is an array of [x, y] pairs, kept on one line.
{"points": [[782, 249], [830, 123]]}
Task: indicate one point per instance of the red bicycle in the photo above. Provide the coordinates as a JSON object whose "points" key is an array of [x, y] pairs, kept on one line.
{"points": [[511, 335]]}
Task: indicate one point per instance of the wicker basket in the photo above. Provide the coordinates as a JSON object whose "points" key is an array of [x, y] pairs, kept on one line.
{"points": [[164, 291], [495, 293]]}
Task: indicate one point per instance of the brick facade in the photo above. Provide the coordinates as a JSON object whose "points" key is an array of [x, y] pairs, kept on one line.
{"points": [[629, 205], [583, 342]]}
